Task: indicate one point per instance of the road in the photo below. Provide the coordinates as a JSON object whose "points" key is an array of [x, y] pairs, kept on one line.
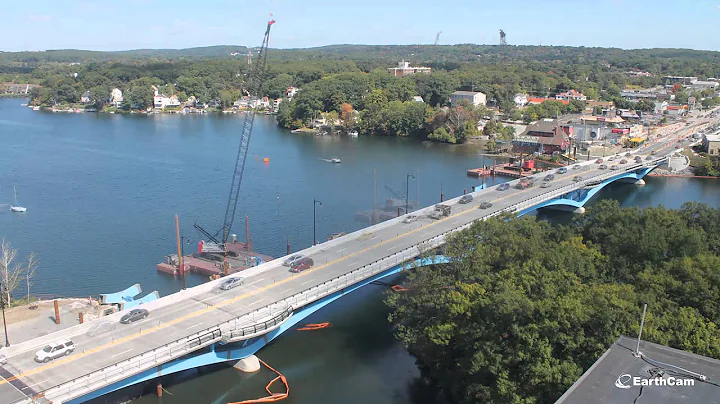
{"points": [[22, 376]]}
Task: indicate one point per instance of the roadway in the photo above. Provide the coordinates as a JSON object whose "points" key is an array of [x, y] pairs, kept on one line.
{"points": [[211, 308]]}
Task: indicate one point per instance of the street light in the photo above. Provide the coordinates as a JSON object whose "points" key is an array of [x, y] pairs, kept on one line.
{"points": [[2, 304], [182, 252], [315, 202], [407, 190]]}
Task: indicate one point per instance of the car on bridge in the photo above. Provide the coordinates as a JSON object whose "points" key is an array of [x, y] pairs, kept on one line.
{"points": [[549, 177], [613, 167], [603, 167], [623, 161], [598, 161], [561, 170], [638, 159], [410, 218], [628, 154], [652, 153], [230, 283], [503, 187], [465, 199], [612, 158], [55, 350], [577, 178], [649, 158], [677, 146], [134, 315], [295, 257], [577, 167], [301, 265], [546, 184], [485, 205]]}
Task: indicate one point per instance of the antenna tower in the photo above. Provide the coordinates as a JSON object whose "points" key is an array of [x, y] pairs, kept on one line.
{"points": [[503, 40]]}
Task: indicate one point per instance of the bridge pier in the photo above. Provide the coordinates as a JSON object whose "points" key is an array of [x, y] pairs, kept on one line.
{"points": [[639, 181], [567, 208], [251, 364]]}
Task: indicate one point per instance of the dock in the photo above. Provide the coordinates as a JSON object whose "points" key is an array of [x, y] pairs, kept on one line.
{"points": [[240, 257]]}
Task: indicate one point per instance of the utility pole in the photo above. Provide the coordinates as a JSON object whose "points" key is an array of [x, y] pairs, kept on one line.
{"points": [[2, 304]]}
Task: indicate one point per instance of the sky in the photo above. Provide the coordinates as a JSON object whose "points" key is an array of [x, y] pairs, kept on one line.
{"points": [[134, 24]]}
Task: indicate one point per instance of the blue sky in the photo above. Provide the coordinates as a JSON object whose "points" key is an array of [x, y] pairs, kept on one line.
{"points": [[132, 24]]}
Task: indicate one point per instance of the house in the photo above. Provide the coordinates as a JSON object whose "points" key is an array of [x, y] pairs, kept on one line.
{"points": [[173, 101], [571, 95], [520, 100], [676, 110], [191, 101], [592, 104], [546, 136], [404, 69], [704, 85], [85, 97], [473, 97], [711, 144], [540, 100], [276, 103], [418, 98], [116, 97], [291, 91], [628, 114]]}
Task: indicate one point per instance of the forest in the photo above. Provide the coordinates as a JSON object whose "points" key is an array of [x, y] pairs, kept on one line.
{"points": [[525, 307]]}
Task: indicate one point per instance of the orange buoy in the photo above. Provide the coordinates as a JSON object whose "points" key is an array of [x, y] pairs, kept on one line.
{"points": [[266, 160], [313, 327]]}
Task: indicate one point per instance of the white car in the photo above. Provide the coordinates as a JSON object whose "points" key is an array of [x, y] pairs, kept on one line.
{"points": [[410, 219], [55, 350], [295, 257]]}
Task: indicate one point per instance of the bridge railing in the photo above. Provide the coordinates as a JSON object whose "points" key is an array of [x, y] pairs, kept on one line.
{"points": [[255, 329]]}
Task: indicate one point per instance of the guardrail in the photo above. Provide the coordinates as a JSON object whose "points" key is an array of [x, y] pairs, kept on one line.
{"points": [[255, 329], [180, 347]]}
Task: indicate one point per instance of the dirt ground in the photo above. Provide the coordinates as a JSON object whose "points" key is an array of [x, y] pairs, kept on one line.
{"points": [[36, 309]]}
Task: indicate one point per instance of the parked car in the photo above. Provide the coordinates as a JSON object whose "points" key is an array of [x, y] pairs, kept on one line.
{"points": [[546, 184], [598, 161], [295, 257], [301, 265], [577, 178], [232, 282], [561, 170], [410, 218], [134, 315], [503, 187], [549, 177], [623, 161], [466, 199], [485, 205], [603, 167], [55, 350], [613, 167]]}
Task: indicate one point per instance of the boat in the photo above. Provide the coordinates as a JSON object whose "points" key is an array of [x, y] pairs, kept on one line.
{"points": [[335, 160], [16, 207], [353, 134], [36, 108]]}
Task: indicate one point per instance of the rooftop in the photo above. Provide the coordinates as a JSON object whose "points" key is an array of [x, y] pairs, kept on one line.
{"points": [[605, 380], [470, 93], [713, 138]]}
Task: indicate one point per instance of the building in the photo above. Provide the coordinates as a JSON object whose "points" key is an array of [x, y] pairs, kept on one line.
{"points": [[676, 110], [173, 101], [685, 80], [404, 69], [418, 98], [540, 100], [704, 85], [521, 100], [291, 91], [85, 97], [571, 95], [473, 97], [276, 103], [621, 375], [711, 144], [660, 107], [116, 97], [13, 88], [638, 73], [546, 136]]}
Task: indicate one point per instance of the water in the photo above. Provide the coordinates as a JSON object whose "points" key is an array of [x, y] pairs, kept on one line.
{"points": [[102, 192]]}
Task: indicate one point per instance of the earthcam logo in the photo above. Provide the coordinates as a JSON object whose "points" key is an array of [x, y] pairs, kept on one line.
{"points": [[626, 381]]}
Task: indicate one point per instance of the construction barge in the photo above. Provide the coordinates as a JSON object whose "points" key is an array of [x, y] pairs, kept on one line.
{"points": [[514, 170]]}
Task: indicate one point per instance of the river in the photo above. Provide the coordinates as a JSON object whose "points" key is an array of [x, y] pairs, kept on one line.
{"points": [[102, 191]]}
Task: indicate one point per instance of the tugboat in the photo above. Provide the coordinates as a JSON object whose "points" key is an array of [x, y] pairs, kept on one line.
{"points": [[335, 160]]}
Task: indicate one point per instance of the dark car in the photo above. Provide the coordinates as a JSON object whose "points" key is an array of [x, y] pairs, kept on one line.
{"points": [[485, 205], [628, 155], [638, 159], [623, 161], [577, 178], [503, 187], [134, 315], [230, 283], [301, 265], [562, 170], [603, 167], [649, 158], [549, 177], [466, 199]]}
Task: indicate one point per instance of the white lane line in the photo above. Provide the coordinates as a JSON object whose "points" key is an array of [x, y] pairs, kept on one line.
{"points": [[34, 384], [207, 298], [341, 250], [193, 326], [123, 352], [426, 233], [391, 248], [286, 290], [356, 262], [256, 301], [259, 280], [305, 283]]}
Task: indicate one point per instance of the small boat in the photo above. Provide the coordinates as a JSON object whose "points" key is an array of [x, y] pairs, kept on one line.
{"points": [[16, 207], [36, 108], [335, 160], [353, 134]]}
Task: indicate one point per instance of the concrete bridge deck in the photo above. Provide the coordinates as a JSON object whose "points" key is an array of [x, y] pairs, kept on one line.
{"points": [[195, 318]]}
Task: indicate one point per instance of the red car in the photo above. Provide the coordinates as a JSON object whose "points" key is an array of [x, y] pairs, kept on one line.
{"points": [[301, 265]]}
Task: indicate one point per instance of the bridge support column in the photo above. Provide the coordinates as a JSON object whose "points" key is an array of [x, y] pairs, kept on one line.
{"points": [[248, 365], [567, 208], [633, 181]]}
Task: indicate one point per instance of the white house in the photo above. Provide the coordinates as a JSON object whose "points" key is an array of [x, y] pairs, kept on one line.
{"points": [[418, 98], [473, 97], [276, 103], [521, 100], [116, 97], [173, 101], [291, 91], [85, 97], [571, 95]]}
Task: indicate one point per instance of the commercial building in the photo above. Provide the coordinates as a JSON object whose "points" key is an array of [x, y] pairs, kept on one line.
{"points": [[685, 80], [571, 95], [546, 136], [704, 85], [404, 69], [711, 144], [473, 97]]}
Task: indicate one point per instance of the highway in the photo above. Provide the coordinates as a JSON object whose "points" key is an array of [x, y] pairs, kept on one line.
{"points": [[204, 307]]}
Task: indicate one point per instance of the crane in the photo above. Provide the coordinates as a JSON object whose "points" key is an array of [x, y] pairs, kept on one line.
{"points": [[255, 79]]}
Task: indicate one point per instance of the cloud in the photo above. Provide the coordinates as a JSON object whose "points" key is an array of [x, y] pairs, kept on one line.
{"points": [[39, 17]]}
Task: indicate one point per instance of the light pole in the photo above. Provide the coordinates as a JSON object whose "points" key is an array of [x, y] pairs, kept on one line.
{"points": [[2, 304], [315, 202], [182, 252], [407, 190]]}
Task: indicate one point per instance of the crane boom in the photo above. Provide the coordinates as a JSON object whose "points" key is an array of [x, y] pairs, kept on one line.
{"points": [[255, 79]]}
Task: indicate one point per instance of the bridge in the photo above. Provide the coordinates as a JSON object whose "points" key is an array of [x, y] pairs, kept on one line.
{"points": [[204, 325]]}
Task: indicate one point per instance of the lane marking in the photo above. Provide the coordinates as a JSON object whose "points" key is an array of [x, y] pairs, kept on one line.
{"points": [[305, 283], [210, 308], [341, 250], [356, 262], [259, 280], [286, 290], [256, 301], [123, 352], [193, 326], [34, 384]]}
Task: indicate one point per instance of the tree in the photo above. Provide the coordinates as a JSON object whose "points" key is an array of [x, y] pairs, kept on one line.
{"points": [[100, 95], [347, 116], [442, 135], [681, 96], [491, 145], [13, 273]]}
